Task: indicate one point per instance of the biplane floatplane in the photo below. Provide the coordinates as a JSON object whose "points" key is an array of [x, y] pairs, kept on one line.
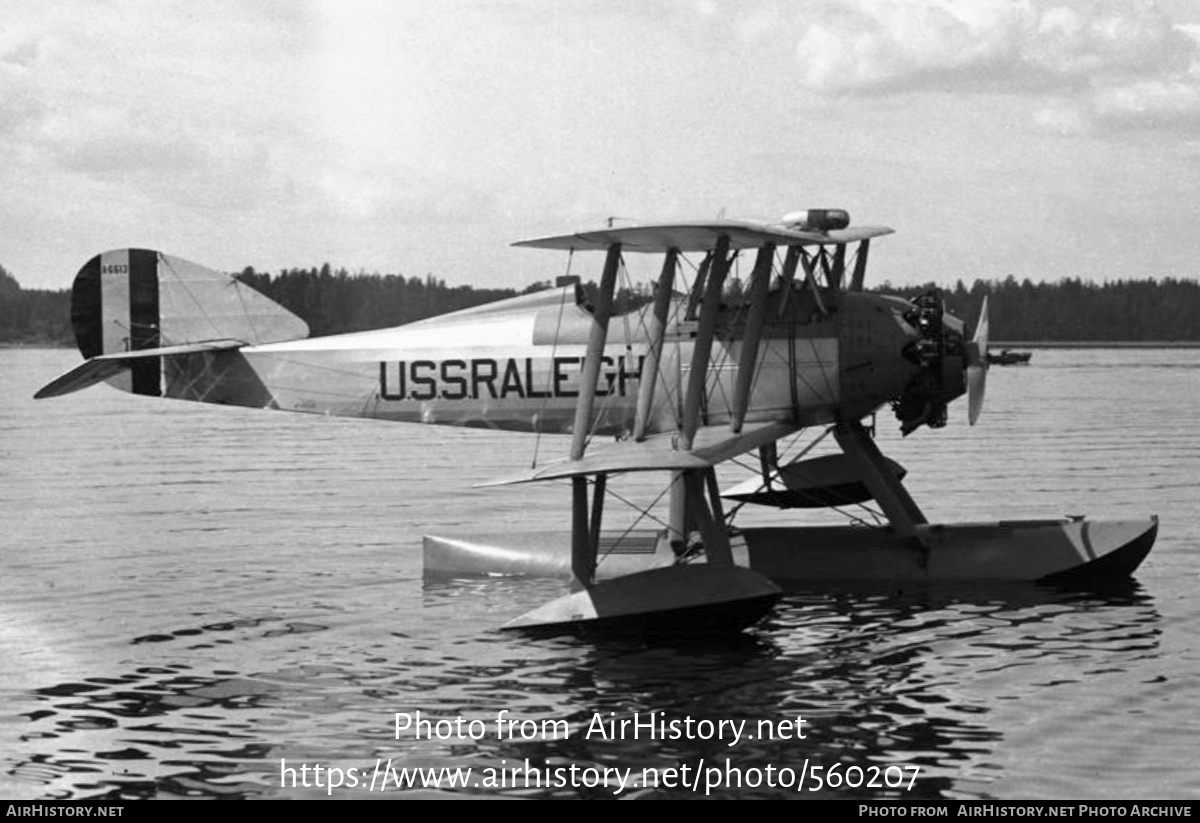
{"points": [[684, 383]]}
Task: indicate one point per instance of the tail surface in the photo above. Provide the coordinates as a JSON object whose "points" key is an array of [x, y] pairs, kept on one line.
{"points": [[134, 311]]}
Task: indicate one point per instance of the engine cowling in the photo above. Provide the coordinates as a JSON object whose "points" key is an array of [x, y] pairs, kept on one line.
{"points": [[938, 349]]}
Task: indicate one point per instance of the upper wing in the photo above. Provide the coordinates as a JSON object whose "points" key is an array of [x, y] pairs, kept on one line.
{"points": [[700, 236]]}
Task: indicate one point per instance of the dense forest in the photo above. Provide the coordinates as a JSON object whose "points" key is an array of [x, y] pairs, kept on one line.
{"points": [[33, 316], [332, 301], [1075, 311]]}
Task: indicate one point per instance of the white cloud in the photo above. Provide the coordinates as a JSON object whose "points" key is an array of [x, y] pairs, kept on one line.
{"points": [[873, 46], [1093, 64], [1060, 117], [1148, 103], [1106, 43]]}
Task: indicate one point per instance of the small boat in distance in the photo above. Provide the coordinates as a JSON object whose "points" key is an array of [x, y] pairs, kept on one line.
{"points": [[1008, 357]]}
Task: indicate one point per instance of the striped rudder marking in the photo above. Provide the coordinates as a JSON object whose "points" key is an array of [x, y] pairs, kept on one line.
{"points": [[115, 308]]}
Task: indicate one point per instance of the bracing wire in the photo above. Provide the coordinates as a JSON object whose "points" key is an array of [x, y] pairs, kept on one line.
{"points": [[562, 304], [643, 513]]}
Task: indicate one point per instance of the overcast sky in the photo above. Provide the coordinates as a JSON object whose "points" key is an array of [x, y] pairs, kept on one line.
{"points": [[1040, 139]]}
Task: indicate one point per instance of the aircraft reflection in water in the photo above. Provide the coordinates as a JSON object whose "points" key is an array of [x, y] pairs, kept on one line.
{"points": [[685, 383]]}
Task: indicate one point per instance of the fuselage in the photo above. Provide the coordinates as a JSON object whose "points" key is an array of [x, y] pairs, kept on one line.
{"points": [[517, 364]]}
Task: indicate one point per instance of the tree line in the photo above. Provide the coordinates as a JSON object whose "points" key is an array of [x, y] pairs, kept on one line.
{"points": [[36, 317], [1076, 311], [331, 302]]}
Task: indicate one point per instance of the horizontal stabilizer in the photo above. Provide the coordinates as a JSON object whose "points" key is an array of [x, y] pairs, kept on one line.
{"points": [[712, 445], [99, 369], [700, 236]]}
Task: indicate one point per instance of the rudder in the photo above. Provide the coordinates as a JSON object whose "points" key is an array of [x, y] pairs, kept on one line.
{"points": [[115, 308]]}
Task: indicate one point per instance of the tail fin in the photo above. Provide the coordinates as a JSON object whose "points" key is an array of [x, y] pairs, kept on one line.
{"points": [[131, 308]]}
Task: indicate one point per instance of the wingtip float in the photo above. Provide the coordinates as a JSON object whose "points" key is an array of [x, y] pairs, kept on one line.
{"points": [[686, 383]]}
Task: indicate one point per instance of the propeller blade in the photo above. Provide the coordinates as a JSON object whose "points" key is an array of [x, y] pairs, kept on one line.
{"points": [[976, 384], [981, 331], [977, 367]]}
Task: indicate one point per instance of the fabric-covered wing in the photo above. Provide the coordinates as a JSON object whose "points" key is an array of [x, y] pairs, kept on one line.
{"points": [[699, 236]]}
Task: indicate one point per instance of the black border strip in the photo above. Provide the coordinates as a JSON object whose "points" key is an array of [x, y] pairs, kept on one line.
{"points": [[144, 320]]}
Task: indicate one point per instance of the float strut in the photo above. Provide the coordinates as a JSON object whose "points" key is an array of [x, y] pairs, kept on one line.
{"points": [[583, 553], [899, 508]]}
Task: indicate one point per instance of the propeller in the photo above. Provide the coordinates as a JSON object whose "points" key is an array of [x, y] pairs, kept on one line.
{"points": [[977, 365]]}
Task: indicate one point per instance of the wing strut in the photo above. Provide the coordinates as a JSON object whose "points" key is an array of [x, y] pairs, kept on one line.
{"points": [[760, 281], [695, 482], [860, 266], [702, 348], [658, 327], [788, 276], [834, 274], [595, 351], [583, 547], [698, 287], [810, 277]]}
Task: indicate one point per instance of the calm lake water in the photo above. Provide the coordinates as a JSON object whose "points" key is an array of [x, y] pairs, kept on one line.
{"points": [[193, 597]]}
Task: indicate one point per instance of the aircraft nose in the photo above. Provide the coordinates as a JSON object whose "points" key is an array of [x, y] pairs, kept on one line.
{"points": [[937, 348]]}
